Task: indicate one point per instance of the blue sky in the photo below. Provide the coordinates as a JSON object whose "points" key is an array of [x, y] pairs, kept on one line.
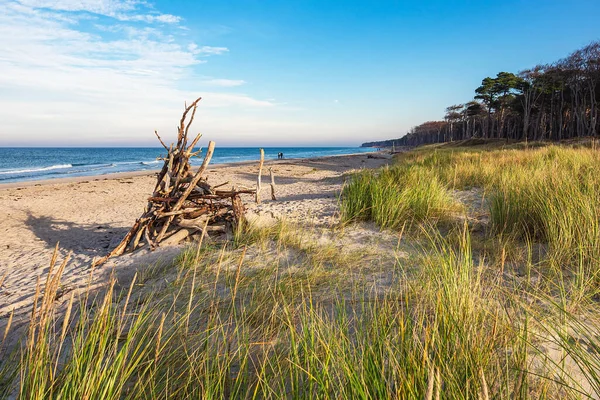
{"points": [[109, 72]]}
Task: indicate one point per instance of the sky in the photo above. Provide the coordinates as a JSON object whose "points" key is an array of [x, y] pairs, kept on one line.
{"points": [[270, 73]]}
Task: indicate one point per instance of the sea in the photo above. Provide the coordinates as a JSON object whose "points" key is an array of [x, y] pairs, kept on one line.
{"points": [[18, 164]]}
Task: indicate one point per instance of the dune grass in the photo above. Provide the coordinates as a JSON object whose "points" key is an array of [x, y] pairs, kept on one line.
{"points": [[298, 312], [545, 194], [233, 327], [394, 196], [228, 330]]}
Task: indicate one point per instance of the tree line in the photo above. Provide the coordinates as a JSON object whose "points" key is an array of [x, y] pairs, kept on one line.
{"points": [[547, 102]]}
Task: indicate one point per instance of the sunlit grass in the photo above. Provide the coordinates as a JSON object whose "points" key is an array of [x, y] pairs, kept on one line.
{"points": [[226, 332], [546, 194], [292, 311], [392, 197]]}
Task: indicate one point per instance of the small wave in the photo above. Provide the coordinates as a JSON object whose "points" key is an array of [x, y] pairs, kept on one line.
{"points": [[23, 171], [136, 162], [126, 162], [93, 167]]}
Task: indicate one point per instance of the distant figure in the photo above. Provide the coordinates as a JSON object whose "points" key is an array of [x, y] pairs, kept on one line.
{"points": [[280, 156]]}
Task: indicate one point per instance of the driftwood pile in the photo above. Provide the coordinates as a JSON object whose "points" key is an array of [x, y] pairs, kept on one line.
{"points": [[183, 203]]}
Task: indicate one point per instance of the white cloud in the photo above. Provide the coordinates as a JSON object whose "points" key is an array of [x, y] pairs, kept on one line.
{"points": [[164, 18], [167, 18], [213, 50], [66, 75], [227, 99], [207, 50], [122, 10], [224, 82], [103, 7]]}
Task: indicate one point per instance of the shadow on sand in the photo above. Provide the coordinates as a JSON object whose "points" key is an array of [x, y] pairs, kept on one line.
{"points": [[87, 239]]}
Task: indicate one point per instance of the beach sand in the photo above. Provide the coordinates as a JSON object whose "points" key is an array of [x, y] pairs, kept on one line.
{"points": [[88, 216]]}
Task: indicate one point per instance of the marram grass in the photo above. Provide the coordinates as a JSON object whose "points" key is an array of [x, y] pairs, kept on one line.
{"points": [[280, 314], [393, 196], [545, 194], [224, 330]]}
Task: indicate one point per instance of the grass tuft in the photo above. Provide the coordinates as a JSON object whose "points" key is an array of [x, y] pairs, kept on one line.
{"points": [[297, 312], [392, 197]]}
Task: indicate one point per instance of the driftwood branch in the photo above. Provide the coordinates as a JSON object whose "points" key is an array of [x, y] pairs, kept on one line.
{"points": [[272, 184], [181, 130], [183, 203], [160, 140], [258, 179], [191, 147], [188, 190]]}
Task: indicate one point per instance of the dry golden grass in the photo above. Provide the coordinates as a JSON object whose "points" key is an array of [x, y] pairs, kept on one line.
{"points": [[298, 312]]}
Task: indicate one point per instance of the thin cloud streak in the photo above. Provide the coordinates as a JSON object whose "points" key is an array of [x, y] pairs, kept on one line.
{"points": [[59, 80], [122, 10], [225, 82]]}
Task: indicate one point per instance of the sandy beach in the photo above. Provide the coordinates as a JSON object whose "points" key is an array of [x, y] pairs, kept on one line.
{"points": [[88, 216]]}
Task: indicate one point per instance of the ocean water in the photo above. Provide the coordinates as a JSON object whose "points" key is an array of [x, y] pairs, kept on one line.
{"points": [[37, 163]]}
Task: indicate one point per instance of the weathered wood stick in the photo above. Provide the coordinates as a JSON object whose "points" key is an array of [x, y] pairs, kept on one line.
{"points": [[170, 213], [121, 246], [198, 212], [177, 236], [187, 128], [272, 184], [180, 173], [181, 128], [202, 184], [166, 183], [197, 177], [191, 186], [184, 211], [218, 195], [210, 196], [220, 184], [216, 228], [191, 147], [197, 223], [238, 209], [151, 244], [210, 228], [258, 183], [160, 140], [161, 175], [138, 236], [162, 199], [229, 193]]}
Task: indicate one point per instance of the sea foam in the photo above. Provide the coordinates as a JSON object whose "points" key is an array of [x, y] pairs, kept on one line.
{"points": [[29, 170]]}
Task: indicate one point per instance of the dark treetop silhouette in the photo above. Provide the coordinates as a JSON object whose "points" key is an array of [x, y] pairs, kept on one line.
{"points": [[547, 102]]}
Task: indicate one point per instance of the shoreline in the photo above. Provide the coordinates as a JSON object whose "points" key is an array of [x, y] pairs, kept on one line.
{"points": [[85, 217], [88, 216], [133, 174]]}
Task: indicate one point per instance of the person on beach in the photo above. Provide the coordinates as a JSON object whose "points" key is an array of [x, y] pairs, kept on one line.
{"points": [[280, 156]]}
